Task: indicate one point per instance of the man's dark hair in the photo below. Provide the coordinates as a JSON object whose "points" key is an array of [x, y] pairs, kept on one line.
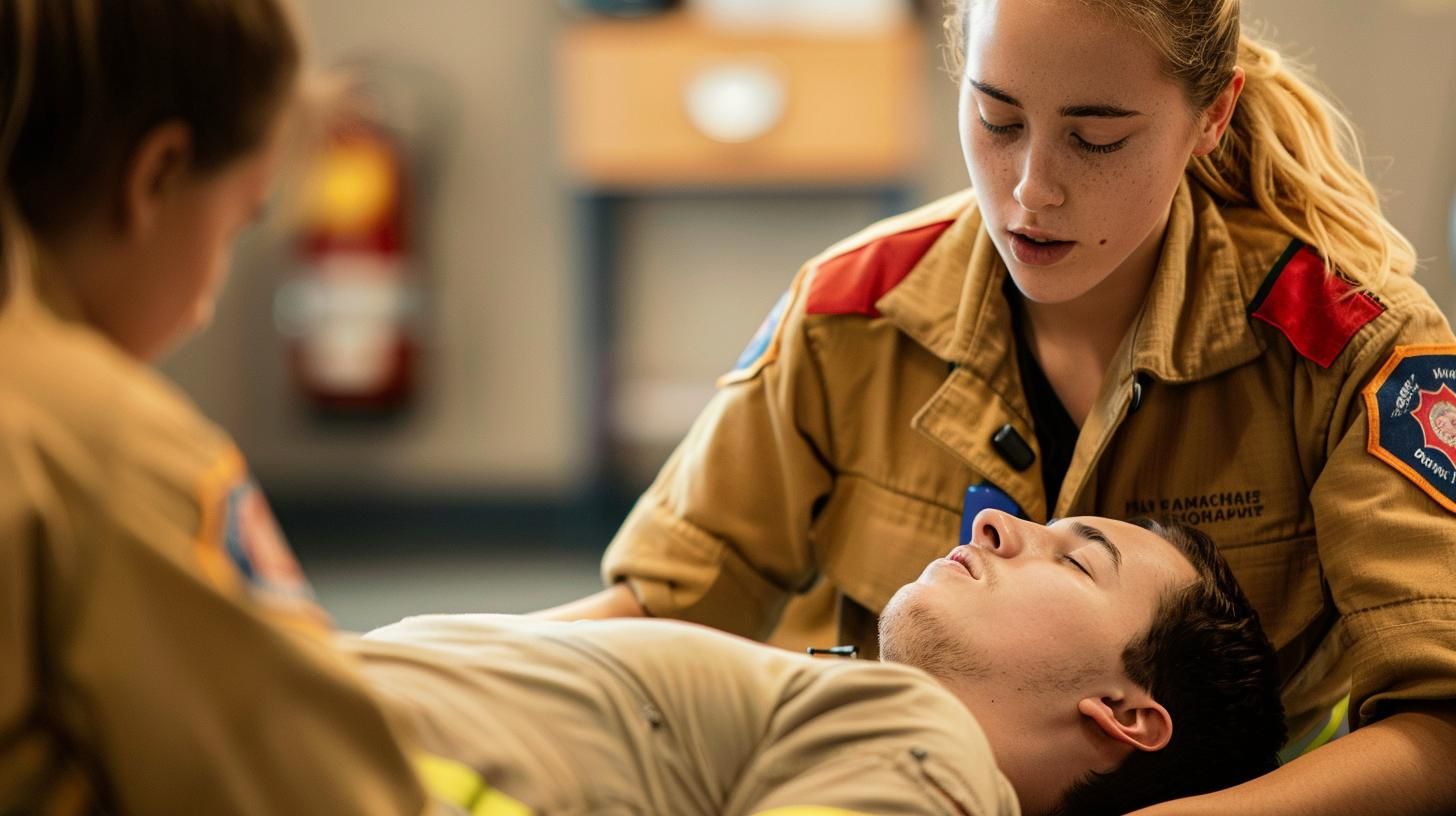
{"points": [[1207, 660]]}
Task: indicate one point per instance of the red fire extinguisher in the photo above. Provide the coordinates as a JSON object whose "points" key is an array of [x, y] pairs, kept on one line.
{"points": [[349, 307]]}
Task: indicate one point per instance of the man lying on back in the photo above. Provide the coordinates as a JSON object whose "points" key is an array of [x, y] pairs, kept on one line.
{"points": [[1086, 666]]}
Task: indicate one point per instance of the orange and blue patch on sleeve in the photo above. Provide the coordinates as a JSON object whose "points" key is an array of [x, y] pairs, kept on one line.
{"points": [[1411, 409], [240, 543], [1317, 310]]}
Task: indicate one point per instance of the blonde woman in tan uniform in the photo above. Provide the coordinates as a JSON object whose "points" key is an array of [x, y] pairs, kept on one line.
{"points": [[1168, 292]]}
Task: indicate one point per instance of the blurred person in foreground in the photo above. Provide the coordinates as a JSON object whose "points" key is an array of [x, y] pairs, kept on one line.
{"points": [[160, 651]]}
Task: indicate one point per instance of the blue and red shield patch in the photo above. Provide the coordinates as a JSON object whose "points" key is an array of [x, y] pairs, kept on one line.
{"points": [[1411, 405]]}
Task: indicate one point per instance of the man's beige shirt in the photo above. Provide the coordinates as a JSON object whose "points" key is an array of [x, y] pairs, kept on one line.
{"points": [[838, 459], [663, 717]]}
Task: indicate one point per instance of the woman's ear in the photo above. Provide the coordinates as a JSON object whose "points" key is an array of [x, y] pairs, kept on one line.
{"points": [[1214, 121], [1138, 721], [158, 165]]}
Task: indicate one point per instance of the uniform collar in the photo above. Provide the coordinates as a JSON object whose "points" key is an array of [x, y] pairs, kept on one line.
{"points": [[1193, 324]]}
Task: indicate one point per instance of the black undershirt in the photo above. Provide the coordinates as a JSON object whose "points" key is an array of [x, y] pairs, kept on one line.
{"points": [[1056, 432]]}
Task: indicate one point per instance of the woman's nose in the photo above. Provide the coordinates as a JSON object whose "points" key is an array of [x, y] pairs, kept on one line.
{"points": [[1038, 189]]}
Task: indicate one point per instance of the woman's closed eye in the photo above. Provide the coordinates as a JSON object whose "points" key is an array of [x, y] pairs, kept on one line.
{"points": [[1081, 143], [1093, 147], [998, 130]]}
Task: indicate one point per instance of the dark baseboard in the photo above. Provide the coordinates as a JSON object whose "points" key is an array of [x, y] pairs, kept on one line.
{"points": [[338, 525]]}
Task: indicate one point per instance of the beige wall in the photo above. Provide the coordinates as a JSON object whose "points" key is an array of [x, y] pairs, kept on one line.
{"points": [[1392, 66], [502, 411]]}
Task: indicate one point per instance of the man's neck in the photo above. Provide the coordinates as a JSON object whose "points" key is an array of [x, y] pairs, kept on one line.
{"points": [[1041, 749]]}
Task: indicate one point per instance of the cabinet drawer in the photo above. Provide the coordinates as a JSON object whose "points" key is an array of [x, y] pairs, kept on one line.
{"points": [[643, 103]]}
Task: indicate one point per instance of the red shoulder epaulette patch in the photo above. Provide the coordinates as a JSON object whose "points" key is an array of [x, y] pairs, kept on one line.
{"points": [[1311, 307], [851, 283]]}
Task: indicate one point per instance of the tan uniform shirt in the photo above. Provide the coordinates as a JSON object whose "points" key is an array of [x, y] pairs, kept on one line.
{"points": [[842, 447], [159, 650], [661, 717]]}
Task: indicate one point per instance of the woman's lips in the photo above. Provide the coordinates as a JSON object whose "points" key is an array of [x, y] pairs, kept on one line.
{"points": [[1039, 253]]}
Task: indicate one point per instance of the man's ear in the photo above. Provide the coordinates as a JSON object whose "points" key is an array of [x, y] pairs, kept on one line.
{"points": [[1214, 121], [1138, 721], [157, 166]]}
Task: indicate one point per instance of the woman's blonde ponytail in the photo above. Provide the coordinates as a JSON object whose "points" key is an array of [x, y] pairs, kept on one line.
{"points": [[1292, 154]]}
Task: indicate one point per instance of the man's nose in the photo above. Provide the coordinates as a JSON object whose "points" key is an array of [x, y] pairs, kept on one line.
{"points": [[1000, 533]]}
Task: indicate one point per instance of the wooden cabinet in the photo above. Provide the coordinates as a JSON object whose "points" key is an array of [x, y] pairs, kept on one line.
{"points": [[847, 109]]}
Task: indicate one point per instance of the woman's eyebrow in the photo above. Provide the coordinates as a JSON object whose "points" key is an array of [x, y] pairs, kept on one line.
{"points": [[1081, 111], [994, 92], [1099, 111]]}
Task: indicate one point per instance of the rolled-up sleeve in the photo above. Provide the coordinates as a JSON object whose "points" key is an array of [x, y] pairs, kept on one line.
{"points": [[1387, 547]]}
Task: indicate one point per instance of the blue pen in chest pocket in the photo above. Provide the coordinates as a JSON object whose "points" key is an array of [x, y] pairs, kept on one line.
{"points": [[981, 497]]}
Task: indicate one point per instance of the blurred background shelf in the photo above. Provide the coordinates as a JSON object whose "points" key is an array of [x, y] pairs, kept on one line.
{"points": [[675, 102], [676, 112]]}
